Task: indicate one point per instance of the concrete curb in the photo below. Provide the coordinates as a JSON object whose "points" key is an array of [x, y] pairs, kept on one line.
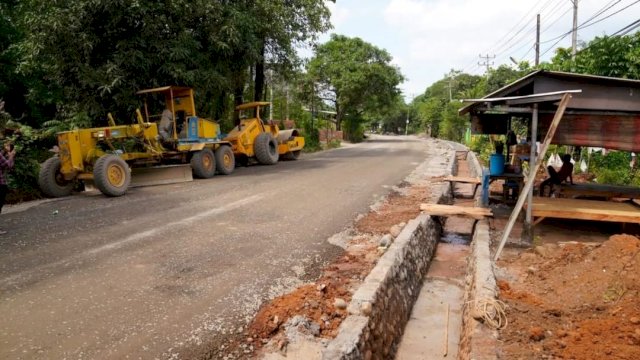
{"points": [[478, 342], [381, 306]]}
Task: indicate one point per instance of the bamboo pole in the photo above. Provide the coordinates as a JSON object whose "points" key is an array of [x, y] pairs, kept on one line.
{"points": [[532, 175], [445, 350]]}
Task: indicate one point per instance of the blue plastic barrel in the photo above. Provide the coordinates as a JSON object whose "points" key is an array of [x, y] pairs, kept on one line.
{"points": [[496, 164]]}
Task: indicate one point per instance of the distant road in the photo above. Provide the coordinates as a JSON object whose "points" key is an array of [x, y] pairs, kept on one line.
{"points": [[175, 270]]}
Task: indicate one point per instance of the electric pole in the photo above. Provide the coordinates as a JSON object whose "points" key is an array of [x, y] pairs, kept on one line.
{"points": [[450, 86], [487, 61], [574, 35], [538, 40]]}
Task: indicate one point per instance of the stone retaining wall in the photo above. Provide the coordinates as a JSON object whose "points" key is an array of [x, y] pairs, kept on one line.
{"points": [[380, 308]]}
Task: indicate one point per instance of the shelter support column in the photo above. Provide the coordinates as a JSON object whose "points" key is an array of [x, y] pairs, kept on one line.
{"points": [[527, 230]]}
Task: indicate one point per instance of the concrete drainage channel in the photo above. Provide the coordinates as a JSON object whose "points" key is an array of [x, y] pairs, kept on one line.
{"points": [[382, 305]]}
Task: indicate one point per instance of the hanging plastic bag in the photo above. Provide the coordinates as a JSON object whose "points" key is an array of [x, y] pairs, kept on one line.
{"points": [[583, 166], [550, 160]]}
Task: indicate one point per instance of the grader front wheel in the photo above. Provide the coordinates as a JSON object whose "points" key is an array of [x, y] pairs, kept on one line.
{"points": [[51, 181], [111, 175]]}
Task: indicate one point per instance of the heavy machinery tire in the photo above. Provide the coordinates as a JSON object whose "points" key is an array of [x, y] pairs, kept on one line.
{"points": [[51, 181], [111, 175], [291, 155], [225, 160], [265, 147], [203, 164]]}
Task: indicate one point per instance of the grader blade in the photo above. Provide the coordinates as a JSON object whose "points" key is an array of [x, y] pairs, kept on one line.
{"points": [[160, 175]]}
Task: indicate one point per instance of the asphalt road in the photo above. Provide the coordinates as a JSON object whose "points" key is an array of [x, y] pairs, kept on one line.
{"points": [[175, 271]]}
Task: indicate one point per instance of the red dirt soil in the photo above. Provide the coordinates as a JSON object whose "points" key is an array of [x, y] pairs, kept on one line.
{"points": [[573, 302], [396, 209], [338, 280]]}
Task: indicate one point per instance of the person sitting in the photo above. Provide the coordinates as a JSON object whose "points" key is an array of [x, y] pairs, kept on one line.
{"points": [[558, 177], [165, 128]]}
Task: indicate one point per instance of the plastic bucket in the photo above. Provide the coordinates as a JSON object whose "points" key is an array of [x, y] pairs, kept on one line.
{"points": [[496, 164]]}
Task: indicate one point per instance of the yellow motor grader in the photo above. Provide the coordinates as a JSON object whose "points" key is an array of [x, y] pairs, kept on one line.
{"points": [[106, 155], [261, 140]]}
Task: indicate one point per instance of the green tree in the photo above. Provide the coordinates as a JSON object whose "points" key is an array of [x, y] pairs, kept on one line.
{"points": [[615, 56], [355, 77]]}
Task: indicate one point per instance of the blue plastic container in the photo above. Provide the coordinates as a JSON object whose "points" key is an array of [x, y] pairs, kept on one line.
{"points": [[496, 164]]}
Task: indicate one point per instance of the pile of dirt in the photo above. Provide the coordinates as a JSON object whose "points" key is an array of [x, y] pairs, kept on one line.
{"points": [[397, 208], [577, 301]]}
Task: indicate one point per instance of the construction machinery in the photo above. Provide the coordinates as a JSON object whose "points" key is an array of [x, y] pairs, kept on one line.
{"points": [[107, 155], [261, 140]]}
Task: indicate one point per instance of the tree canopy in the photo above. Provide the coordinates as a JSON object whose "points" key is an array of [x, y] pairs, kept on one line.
{"points": [[87, 57], [355, 77]]}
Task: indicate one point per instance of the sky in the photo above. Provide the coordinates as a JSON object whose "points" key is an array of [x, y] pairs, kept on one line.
{"points": [[428, 38]]}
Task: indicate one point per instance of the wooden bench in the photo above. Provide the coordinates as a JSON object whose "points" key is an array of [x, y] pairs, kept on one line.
{"points": [[464, 180], [580, 209]]}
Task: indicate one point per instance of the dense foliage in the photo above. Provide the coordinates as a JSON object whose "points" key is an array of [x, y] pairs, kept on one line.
{"points": [[356, 78], [66, 63]]}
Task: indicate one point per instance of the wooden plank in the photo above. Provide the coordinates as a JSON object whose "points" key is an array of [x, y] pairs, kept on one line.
{"points": [[453, 210], [586, 210], [529, 184], [463, 179]]}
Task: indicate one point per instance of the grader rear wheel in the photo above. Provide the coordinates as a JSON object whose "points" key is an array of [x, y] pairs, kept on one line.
{"points": [[51, 181], [203, 164], [111, 175], [225, 160]]}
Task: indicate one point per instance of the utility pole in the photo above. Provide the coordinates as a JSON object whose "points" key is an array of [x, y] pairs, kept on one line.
{"points": [[271, 94], [287, 111], [406, 126], [538, 40], [574, 36], [450, 86], [487, 61]]}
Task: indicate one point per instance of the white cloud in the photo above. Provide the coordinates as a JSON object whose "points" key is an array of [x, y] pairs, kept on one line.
{"points": [[339, 14]]}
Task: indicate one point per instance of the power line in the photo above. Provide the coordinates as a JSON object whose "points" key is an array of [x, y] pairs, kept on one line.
{"points": [[631, 26], [606, 7], [526, 16], [584, 24], [627, 29]]}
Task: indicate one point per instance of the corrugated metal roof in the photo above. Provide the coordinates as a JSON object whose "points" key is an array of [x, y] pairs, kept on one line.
{"points": [[526, 80]]}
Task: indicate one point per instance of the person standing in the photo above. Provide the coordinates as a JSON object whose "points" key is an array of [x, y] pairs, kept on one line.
{"points": [[7, 156]]}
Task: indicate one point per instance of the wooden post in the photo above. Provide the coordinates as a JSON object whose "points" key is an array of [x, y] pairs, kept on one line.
{"points": [[532, 175]]}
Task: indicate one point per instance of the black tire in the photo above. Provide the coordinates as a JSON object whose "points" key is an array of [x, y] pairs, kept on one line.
{"points": [[111, 175], [51, 181], [265, 149], [203, 164], [225, 160], [291, 155]]}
